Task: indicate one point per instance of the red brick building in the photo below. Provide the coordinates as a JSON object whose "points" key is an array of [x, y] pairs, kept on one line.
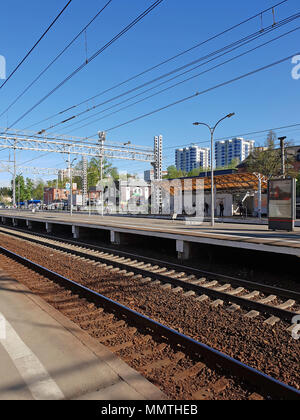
{"points": [[55, 194]]}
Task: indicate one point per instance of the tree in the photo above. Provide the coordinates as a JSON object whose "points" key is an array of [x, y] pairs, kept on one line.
{"points": [[173, 172], [38, 190], [20, 188], [94, 172], [267, 160], [29, 189]]}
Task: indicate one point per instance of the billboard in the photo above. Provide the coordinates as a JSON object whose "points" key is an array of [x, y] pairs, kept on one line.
{"points": [[281, 203]]}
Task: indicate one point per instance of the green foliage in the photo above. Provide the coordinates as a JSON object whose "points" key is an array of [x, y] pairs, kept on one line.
{"points": [[174, 173], [5, 195], [267, 161]]}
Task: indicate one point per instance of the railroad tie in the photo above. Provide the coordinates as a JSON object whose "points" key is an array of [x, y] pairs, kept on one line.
{"points": [[178, 275], [203, 394], [198, 281], [202, 298], [160, 270], [155, 283], [120, 347], [272, 321], [166, 286], [236, 291], [156, 365], [146, 280], [233, 308], [222, 288], [189, 293], [252, 314], [130, 274], [220, 385], [251, 295], [177, 289], [255, 397], [268, 299], [189, 373], [217, 303], [210, 284], [287, 304]]}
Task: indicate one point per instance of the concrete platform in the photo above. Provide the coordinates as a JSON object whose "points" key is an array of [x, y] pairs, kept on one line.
{"points": [[252, 237], [44, 356]]}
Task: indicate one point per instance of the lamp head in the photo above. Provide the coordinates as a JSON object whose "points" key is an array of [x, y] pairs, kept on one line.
{"points": [[231, 115]]}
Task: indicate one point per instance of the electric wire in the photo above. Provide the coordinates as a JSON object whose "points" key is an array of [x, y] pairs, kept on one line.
{"points": [[243, 76], [35, 45], [239, 43], [172, 86], [55, 59], [164, 62], [90, 59]]}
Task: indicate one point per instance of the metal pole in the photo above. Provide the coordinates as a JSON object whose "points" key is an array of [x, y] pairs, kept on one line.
{"points": [[212, 179], [14, 178], [19, 194], [259, 197], [71, 191], [70, 180], [282, 156]]}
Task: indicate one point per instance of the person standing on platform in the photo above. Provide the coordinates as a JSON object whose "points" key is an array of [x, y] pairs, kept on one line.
{"points": [[221, 209]]}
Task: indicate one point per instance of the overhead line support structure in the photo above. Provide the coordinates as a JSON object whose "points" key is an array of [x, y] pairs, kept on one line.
{"points": [[44, 144]]}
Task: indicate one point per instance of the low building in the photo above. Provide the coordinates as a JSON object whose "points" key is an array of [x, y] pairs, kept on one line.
{"points": [[233, 190], [52, 195], [149, 175]]}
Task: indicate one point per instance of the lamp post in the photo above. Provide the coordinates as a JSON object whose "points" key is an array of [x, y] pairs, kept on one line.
{"points": [[212, 131]]}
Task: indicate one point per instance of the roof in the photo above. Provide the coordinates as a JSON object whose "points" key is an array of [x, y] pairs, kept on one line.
{"points": [[231, 183]]}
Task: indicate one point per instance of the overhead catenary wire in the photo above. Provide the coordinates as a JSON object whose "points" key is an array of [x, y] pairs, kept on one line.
{"points": [[237, 135], [163, 62], [56, 58], [90, 59], [174, 85], [228, 82], [35, 45], [226, 50]]}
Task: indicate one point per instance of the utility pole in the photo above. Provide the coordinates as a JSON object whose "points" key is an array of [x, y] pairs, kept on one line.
{"points": [[14, 177], [70, 170], [282, 155], [85, 183], [102, 138]]}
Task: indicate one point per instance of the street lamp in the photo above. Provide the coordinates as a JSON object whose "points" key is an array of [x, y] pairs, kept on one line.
{"points": [[212, 131]]}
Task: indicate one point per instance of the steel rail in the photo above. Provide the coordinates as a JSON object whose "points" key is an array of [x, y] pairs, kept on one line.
{"points": [[254, 305], [268, 384]]}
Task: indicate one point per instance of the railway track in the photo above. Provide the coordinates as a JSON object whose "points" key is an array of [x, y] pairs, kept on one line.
{"points": [[162, 354], [235, 294]]}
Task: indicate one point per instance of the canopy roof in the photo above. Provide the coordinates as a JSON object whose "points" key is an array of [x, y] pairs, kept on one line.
{"points": [[231, 183]]}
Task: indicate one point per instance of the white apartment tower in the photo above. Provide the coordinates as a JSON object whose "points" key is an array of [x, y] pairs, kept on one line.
{"points": [[192, 157], [236, 148]]}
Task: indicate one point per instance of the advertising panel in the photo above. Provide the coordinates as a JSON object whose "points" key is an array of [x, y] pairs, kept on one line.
{"points": [[281, 204]]}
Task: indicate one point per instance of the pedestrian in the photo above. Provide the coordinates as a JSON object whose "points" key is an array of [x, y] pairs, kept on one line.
{"points": [[241, 209], [206, 209], [221, 209]]}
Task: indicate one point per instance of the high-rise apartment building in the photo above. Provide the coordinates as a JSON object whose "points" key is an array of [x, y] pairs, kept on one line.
{"points": [[228, 150], [192, 157]]}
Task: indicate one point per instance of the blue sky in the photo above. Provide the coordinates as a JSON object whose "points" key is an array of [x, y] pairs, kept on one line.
{"points": [[267, 99]]}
